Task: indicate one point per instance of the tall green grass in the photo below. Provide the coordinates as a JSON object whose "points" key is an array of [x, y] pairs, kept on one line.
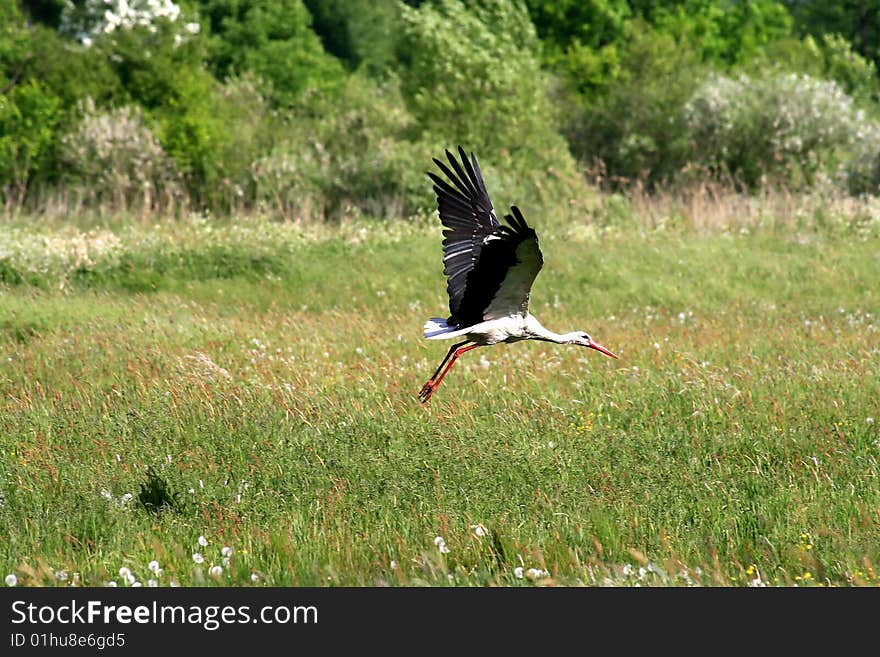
{"points": [[255, 384]]}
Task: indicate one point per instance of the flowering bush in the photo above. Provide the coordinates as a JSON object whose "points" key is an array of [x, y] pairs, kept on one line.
{"points": [[88, 19], [118, 162], [860, 173], [783, 126]]}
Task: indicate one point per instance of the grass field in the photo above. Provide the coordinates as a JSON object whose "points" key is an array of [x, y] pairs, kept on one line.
{"points": [[237, 402]]}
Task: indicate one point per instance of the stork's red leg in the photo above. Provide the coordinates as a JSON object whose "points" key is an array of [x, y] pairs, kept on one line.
{"points": [[428, 388], [455, 351], [448, 355]]}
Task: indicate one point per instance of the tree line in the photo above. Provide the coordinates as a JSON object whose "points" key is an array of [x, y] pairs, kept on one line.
{"points": [[319, 108]]}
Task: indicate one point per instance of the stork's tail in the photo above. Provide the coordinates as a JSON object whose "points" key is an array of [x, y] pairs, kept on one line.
{"points": [[437, 329]]}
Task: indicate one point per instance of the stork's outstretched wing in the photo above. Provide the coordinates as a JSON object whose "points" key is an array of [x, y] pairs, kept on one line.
{"points": [[467, 214], [490, 267], [506, 269]]}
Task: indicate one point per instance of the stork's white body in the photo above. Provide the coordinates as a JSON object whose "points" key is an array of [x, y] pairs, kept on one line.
{"points": [[511, 328]]}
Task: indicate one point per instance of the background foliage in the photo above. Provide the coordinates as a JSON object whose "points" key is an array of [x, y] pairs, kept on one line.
{"points": [[323, 108]]}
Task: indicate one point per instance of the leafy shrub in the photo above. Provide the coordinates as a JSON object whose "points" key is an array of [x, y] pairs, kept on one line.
{"points": [[116, 161], [636, 130], [860, 172], [29, 116], [241, 102], [723, 33], [362, 34], [212, 131], [346, 153], [857, 75], [831, 57], [783, 126], [273, 40], [473, 76], [582, 40]]}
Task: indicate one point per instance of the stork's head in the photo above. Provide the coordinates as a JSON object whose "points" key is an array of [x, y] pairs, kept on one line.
{"points": [[584, 340]]}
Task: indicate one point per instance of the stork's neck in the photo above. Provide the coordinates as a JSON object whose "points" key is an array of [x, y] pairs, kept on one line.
{"points": [[537, 332]]}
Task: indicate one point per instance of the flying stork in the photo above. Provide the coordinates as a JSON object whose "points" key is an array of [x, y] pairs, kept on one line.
{"points": [[490, 268]]}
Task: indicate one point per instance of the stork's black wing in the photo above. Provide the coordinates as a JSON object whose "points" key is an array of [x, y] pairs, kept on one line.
{"points": [[490, 267], [467, 214], [501, 280]]}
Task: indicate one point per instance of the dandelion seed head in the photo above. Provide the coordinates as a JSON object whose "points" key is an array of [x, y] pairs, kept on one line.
{"points": [[11, 580]]}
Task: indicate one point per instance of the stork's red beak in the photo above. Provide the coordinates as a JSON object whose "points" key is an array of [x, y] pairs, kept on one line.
{"points": [[598, 347]]}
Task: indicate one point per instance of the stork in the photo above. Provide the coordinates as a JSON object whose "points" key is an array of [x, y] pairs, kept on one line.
{"points": [[490, 268]]}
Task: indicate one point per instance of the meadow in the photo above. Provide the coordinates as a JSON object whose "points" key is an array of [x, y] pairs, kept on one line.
{"points": [[234, 403]]}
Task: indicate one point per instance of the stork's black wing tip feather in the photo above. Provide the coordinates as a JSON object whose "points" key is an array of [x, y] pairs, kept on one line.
{"points": [[516, 219]]}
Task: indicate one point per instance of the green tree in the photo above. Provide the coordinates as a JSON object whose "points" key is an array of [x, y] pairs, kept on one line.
{"points": [[472, 74], [29, 116], [361, 33], [582, 40], [857, 21], [273, 40], [723, 32], [636, 130]]}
